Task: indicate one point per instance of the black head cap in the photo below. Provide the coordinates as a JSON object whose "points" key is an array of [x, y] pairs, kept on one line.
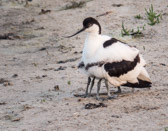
{"points": [[90, 21]]}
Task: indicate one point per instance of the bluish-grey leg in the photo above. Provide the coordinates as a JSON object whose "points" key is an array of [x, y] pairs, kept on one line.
{"points": [[92, 84], [89, 80], [98, 89], [108, 91], [119, 89], [133, 90]]}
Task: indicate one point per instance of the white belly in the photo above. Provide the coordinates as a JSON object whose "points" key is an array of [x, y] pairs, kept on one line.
{"points": [[96, 71]]}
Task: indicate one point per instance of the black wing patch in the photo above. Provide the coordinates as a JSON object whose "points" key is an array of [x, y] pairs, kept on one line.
{"points": [[140, 84], [109, 42], [99, 64], [115, 69], [81, 65], [112, 41]]}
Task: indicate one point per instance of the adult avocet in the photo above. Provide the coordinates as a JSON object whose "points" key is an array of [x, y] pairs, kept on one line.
{"points": [[110, 59]]}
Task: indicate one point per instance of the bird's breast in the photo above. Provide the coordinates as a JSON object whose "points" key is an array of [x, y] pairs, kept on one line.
{"points": [[91, 46]]}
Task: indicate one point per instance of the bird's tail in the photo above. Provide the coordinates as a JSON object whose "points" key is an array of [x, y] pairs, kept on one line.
{"points": [[144, 80], [144, 75]]}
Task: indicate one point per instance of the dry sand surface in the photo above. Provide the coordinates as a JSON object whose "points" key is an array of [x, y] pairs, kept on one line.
{"points": [[39, 75]]}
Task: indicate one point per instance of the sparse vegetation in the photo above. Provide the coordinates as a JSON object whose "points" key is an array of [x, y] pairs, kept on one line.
{"points": [[144, 47], [74, 4], [43, 100], [132, 32], [152, 16], [124, 30], [69, 82], [138, 17]]}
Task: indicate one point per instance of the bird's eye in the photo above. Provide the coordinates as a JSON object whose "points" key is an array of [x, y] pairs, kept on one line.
{"points": [[89, 25]]}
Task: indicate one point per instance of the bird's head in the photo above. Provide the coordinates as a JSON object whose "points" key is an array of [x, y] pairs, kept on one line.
{"points": [[90, 25]]}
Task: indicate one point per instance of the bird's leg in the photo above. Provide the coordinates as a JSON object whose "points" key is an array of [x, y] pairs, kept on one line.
{"points": [[149, 88], [92, 84], [108, 91], [119, 89], [98, 89], [133, 90], [89, 80], [27, 4]]}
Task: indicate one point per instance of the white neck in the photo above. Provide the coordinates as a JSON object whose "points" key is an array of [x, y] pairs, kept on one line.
{"points": [[94, 29], [92, 42]]}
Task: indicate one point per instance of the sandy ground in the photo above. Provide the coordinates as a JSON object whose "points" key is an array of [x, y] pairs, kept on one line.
{"points": [[39, 77]]}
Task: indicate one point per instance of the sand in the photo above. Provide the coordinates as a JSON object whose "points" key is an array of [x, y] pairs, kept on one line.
{"points": [[39, 75]]}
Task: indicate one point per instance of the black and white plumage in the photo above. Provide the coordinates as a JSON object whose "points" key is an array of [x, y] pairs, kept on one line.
{"points": [[110, 59], [91, 79]]}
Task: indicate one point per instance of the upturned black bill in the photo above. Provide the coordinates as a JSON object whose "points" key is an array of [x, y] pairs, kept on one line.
{"points": [[76, 33]]}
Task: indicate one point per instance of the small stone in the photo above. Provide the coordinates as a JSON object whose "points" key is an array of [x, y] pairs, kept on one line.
{"points": [[15, 75], [72, 66], [93, 106], [56, 88], [2, 103], [42, 49], [44, 75], [8, 84], [116, 116], [76, 114], [38, 77], [162, 64], [60, 68], [2, 80], [16, 119]]}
